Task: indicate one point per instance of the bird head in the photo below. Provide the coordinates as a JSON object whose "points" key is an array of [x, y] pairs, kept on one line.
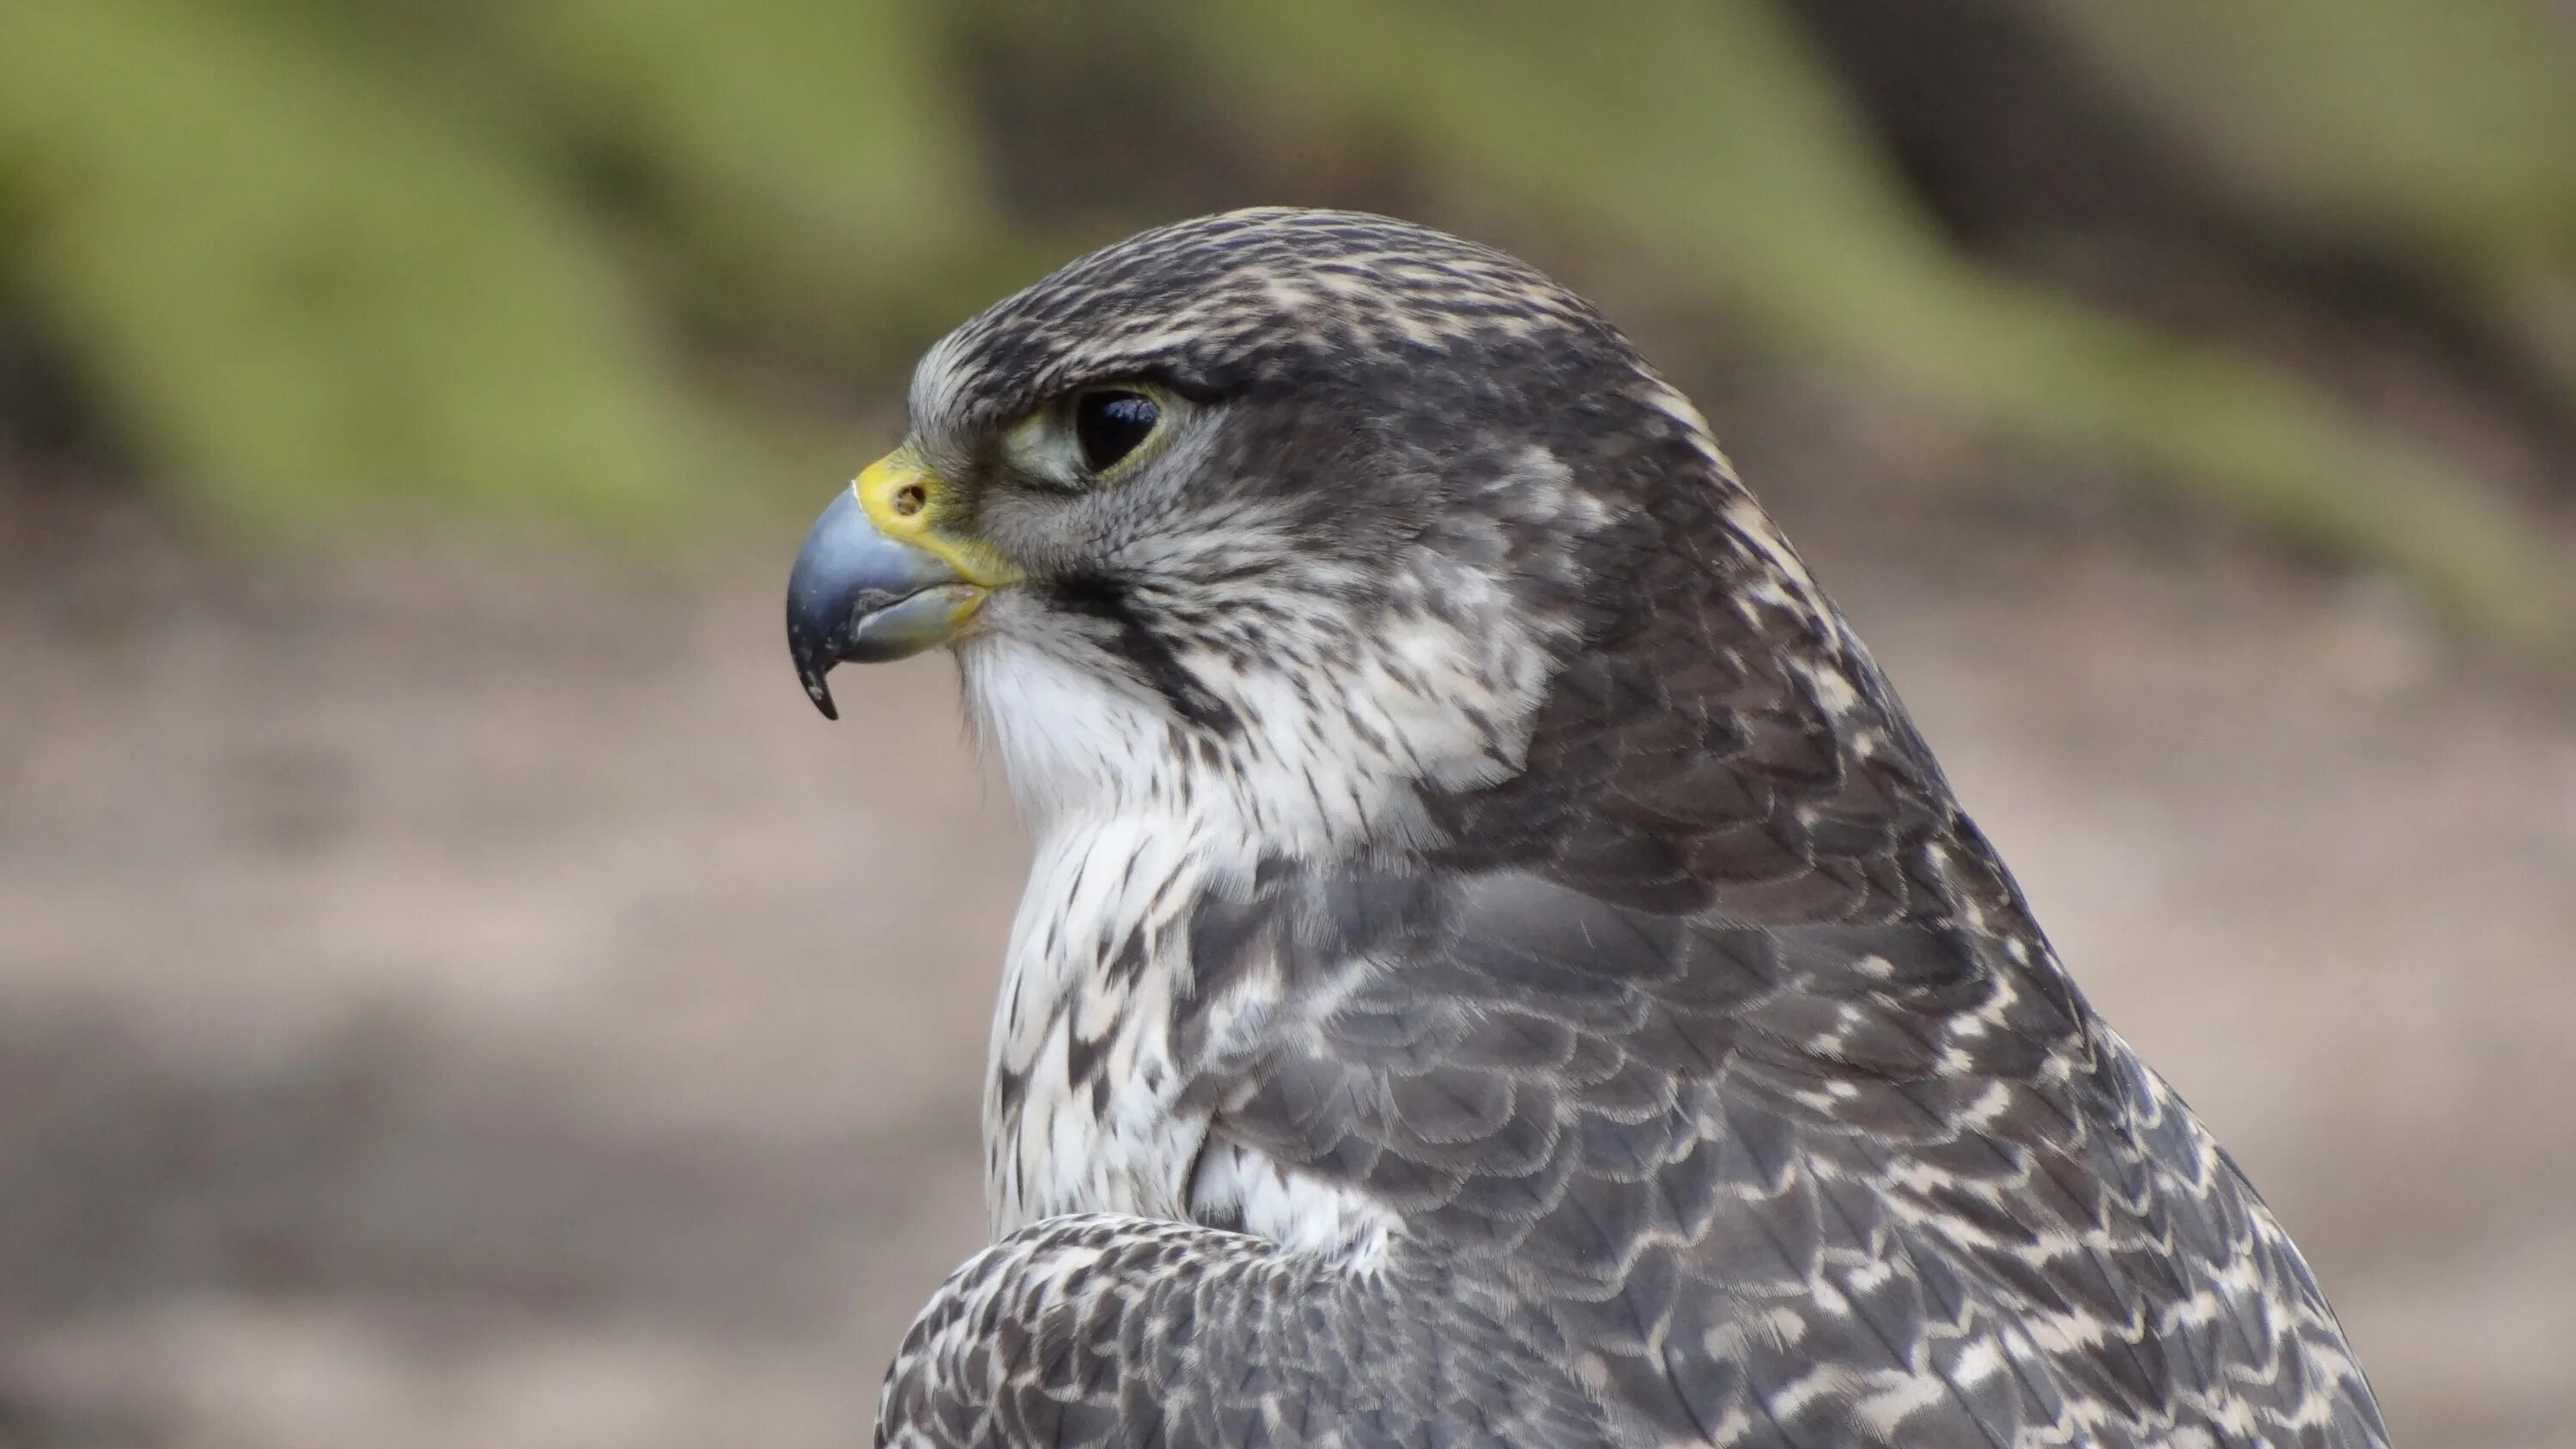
{"points": [[1283, 516]]}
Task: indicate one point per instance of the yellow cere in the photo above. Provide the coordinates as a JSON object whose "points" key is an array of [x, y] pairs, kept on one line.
{"points": [[908, 503]]}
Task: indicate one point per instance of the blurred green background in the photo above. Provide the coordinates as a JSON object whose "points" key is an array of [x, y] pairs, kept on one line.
{"points": [[614, 263], [452, 991]]}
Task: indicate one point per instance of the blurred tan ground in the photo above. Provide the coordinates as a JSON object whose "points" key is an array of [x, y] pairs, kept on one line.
{"points": [[472, 1000]]}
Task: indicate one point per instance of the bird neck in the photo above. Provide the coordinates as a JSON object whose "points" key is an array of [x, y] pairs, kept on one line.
{"points": [[1325, 748]]}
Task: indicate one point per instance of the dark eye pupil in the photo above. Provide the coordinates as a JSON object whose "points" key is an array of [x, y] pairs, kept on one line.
{"points": [[1107, 426]]}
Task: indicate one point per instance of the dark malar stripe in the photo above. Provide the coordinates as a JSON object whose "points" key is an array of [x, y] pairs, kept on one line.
{"points": [[1151, 655]]}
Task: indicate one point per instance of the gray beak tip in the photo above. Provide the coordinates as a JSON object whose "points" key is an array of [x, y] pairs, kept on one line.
{"points": [[857, 595], [821, 693]]}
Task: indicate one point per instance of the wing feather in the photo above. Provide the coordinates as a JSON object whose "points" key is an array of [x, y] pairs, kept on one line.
{"points": [[1721, 1038]]}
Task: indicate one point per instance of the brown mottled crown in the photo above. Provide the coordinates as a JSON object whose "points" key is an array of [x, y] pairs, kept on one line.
{"points": [[1274, 295]]}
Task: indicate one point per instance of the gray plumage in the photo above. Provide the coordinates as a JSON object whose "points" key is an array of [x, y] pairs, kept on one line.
{"points": [[1501, 968]]}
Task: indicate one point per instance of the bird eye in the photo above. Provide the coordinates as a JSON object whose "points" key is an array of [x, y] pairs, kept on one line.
{"points": [[1110, 424]]}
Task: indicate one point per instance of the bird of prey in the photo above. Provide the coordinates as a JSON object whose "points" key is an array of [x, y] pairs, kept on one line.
{"points": [[1500, 968]]}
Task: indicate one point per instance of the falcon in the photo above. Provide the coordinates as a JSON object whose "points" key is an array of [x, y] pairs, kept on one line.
{"points": [[1499, 967]]}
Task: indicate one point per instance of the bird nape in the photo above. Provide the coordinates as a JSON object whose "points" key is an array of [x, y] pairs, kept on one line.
{"points": [[1499, 968]]}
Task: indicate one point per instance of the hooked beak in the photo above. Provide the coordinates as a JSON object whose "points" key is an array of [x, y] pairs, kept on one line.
{"points": [[865, 593]]}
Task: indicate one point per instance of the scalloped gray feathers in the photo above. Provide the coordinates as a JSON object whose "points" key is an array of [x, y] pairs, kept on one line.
{"points": [[1700, 1078]]}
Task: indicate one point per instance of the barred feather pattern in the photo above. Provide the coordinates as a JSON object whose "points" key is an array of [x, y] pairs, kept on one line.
{"points": [[1698, 1076], [1120, 1330]]}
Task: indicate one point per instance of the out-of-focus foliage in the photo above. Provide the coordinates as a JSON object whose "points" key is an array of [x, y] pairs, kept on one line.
{"points": [[2442, 130], [292, 278], [814, 166], [303, 254]]}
